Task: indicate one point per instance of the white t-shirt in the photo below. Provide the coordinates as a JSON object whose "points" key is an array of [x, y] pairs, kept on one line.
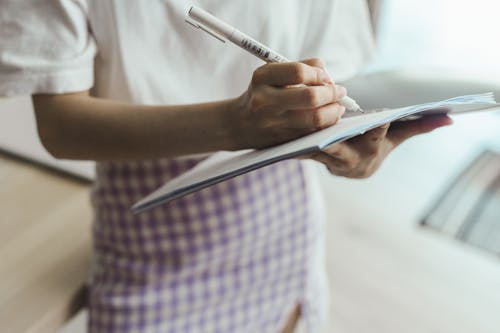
{"points": [[72, 45], [55, 49]]}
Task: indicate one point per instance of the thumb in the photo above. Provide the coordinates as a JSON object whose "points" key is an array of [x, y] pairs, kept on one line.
{"points": [[403, 130]]}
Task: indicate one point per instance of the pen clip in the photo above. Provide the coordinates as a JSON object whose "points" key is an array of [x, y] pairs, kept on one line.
{"points": [[198, 25]]}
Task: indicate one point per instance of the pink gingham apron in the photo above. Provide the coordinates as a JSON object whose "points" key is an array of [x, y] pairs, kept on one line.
{"points": [[230, 258]]}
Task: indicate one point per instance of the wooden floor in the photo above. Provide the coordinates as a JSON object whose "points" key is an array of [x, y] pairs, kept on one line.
{"points": [[44, 246], [387, 273]]}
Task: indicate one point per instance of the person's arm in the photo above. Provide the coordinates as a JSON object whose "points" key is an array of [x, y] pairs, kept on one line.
{"points": [[78, 126]]}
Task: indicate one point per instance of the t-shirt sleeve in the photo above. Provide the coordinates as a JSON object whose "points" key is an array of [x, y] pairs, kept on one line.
{"points": [[45, 47]]}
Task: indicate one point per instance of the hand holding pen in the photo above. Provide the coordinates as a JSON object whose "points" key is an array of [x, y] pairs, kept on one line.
{"points": [[222, 31], [271, 113]]}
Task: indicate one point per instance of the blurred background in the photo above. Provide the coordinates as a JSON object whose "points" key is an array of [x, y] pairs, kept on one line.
{"points": [[442, 33], [388, 271]]}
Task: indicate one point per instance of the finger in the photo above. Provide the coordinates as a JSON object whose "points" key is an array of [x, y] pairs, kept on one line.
{"points": [[290, 73], [332, 164], [316, 62], [346, 156], [307, 97], [371, 140], [403, 130], [337, 166], [345, 160], [315, 119]]}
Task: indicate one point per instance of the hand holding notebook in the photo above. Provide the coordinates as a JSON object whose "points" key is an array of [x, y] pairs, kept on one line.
{"points": [[225, 165]]}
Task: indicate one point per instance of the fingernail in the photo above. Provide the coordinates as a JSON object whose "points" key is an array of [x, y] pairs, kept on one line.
{"points": [[341, 92], [329, 75], [340, 114], [342, 110], [325, 78]]}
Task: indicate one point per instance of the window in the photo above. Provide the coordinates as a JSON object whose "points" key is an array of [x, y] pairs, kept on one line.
{"points": [[450, 33]]}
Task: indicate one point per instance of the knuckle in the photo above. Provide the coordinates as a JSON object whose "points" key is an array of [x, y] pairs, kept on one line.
{"points": [[352, 163], [321, 118], [259, 75], [317, 62], [299, 72], [372, 153], [311, 97], [258, 102], [317, 119], [377, 140]]}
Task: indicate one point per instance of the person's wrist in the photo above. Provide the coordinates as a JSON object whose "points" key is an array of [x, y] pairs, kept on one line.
{"points": [[233, 122]]}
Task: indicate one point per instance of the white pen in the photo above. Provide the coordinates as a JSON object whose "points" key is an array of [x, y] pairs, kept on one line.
{"points": [[205, 21]]}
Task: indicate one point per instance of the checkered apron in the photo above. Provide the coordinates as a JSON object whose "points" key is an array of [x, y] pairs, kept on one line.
{"points": [[230, 258]]}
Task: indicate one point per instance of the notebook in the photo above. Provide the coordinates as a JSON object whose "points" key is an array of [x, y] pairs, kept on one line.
{"points": [[224, 165]]}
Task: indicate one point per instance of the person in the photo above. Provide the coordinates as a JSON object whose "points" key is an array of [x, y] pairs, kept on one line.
{"points": [[131, 86]]}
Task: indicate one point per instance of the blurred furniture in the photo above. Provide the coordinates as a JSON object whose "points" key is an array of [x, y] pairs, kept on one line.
{"points": [[469, 209]]}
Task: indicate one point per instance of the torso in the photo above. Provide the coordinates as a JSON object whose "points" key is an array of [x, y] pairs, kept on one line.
{"points": [[234, 257]]}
